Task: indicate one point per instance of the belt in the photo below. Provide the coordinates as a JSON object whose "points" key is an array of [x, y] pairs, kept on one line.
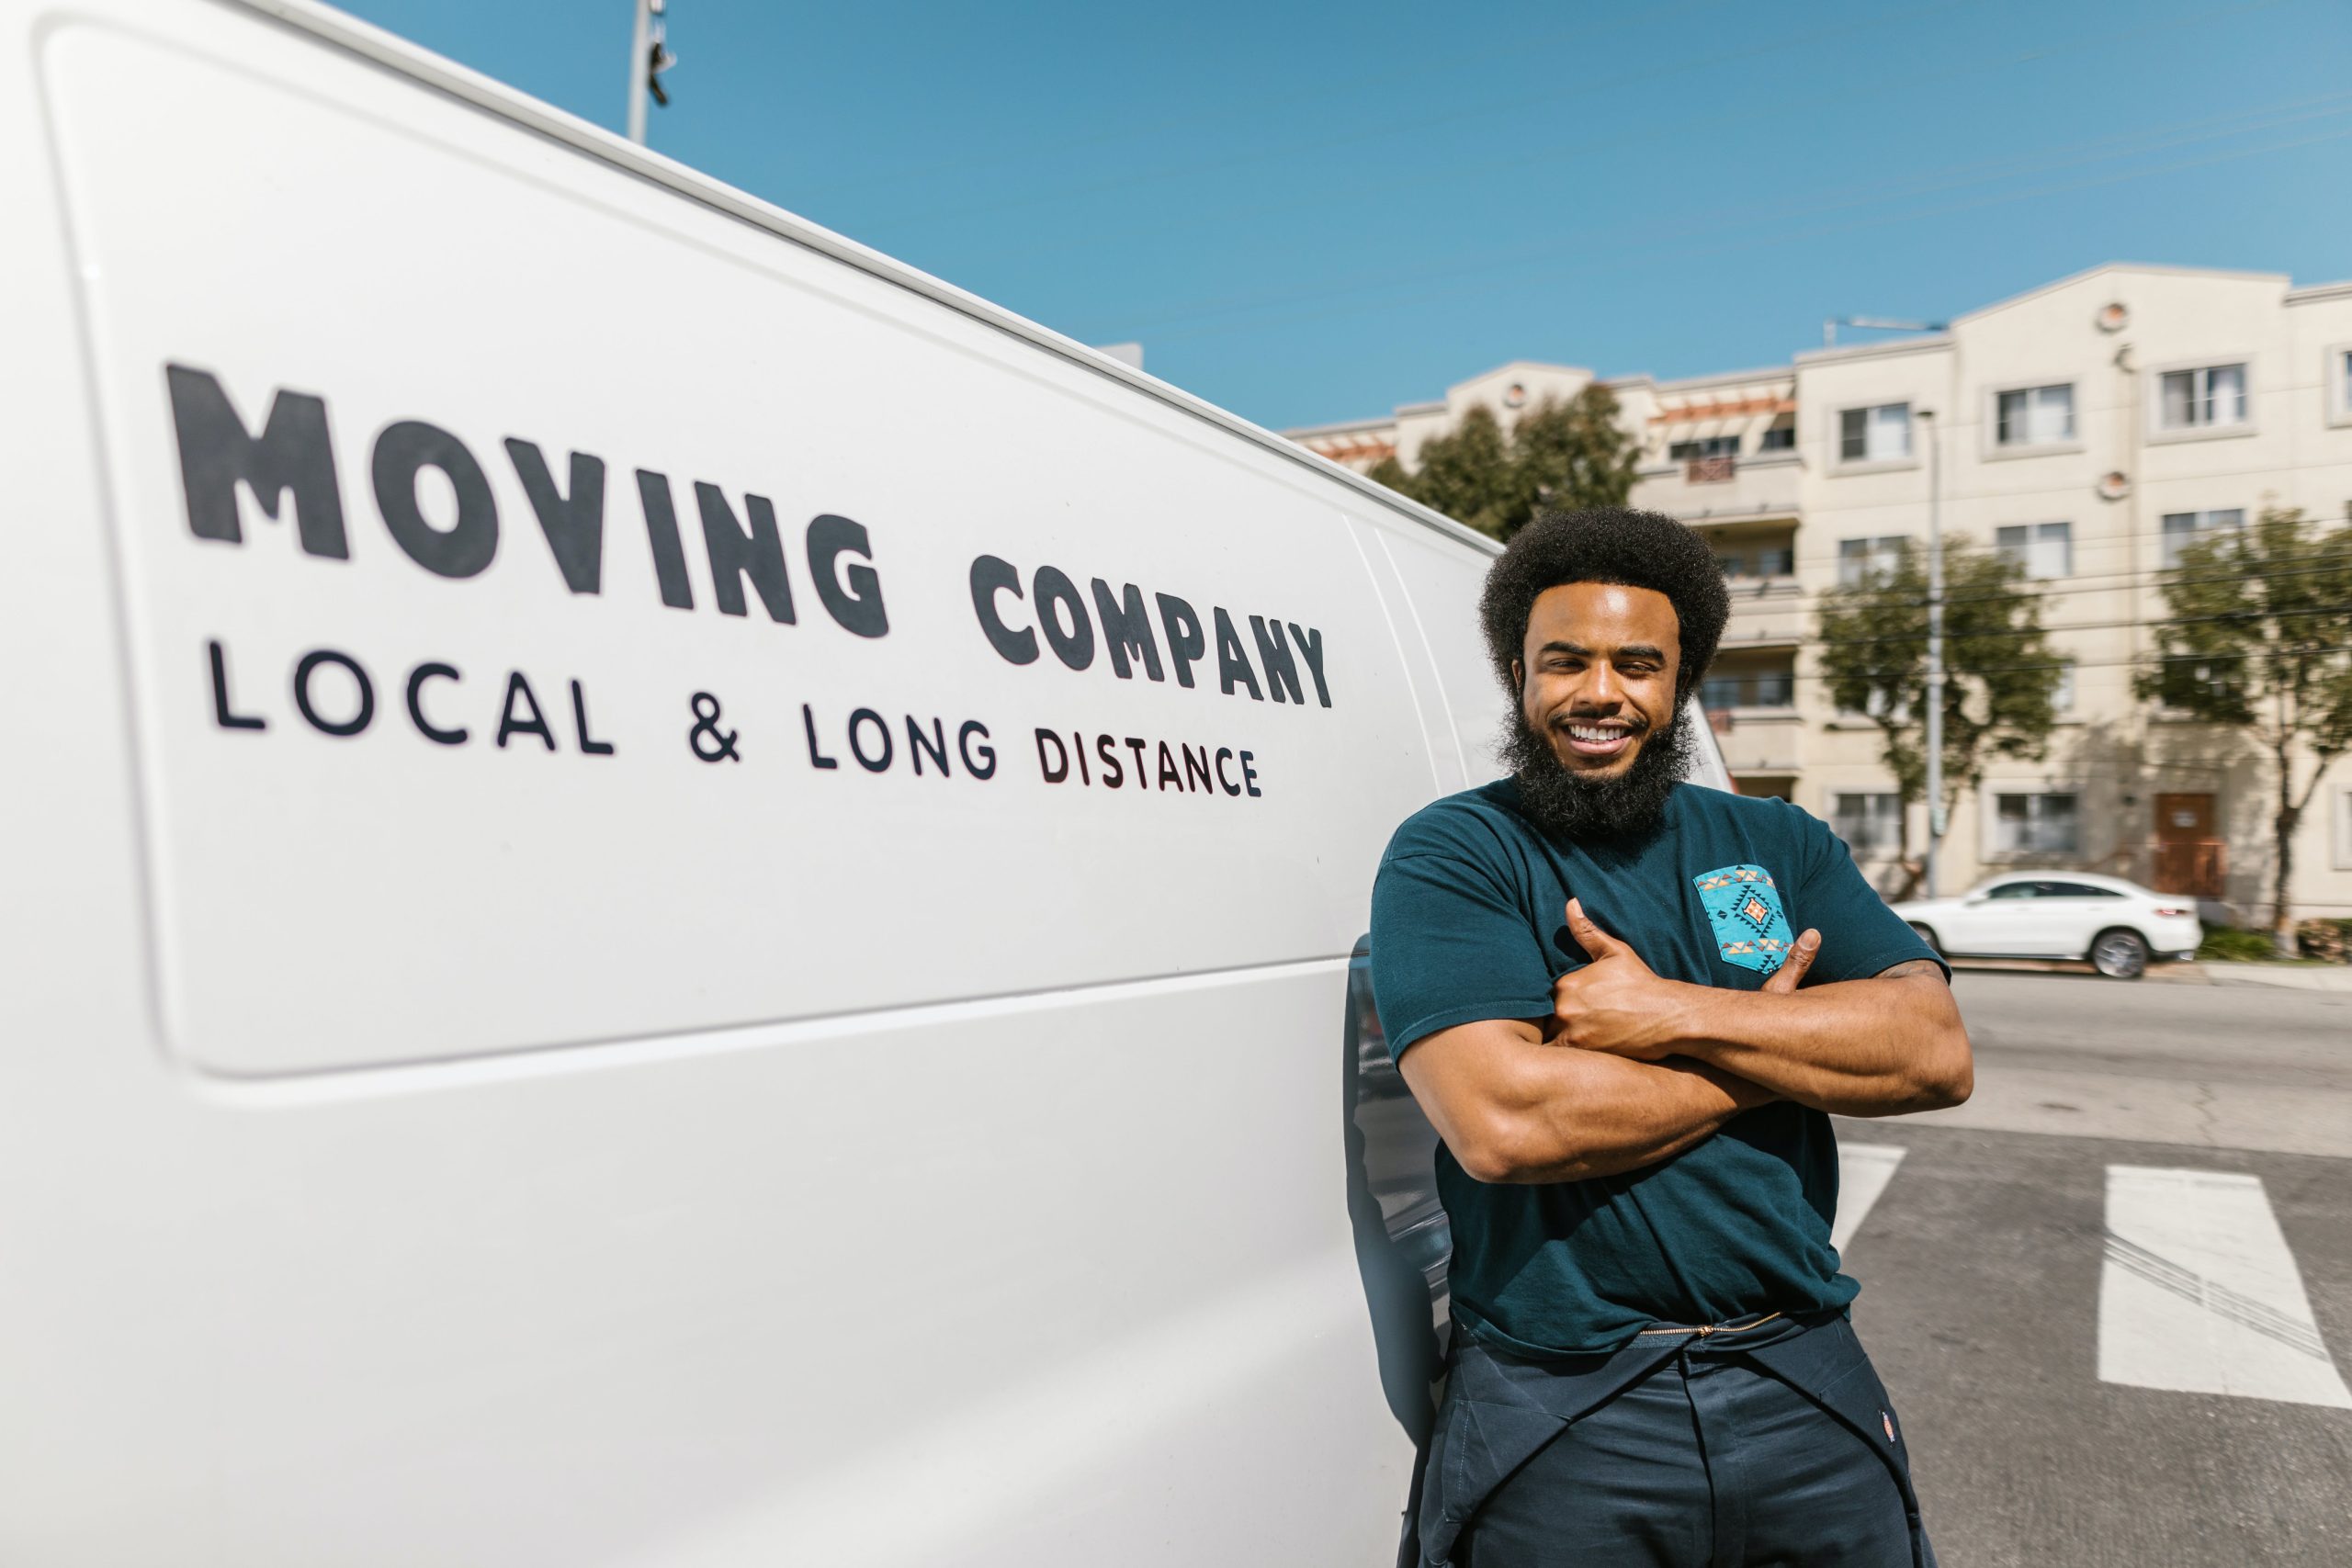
{"points": [[1704, 1329]]}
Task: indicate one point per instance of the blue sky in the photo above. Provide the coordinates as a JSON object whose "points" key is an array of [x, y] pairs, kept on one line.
{"points": [[1315, 211]]}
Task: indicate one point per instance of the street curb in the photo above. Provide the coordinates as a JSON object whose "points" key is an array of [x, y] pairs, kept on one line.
{"points": [[2163, 974], [2334, 977]]}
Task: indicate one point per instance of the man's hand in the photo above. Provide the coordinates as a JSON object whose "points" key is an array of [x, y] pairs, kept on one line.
{"points": [[1617, 1004], [1884, 1046]]}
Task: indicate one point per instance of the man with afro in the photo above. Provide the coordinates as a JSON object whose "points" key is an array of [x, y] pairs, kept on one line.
{"points": [[1589, 973]]}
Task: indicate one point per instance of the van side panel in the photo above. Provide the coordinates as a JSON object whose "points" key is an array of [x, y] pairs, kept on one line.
{"points": [[731, 1146], [553, 613]]}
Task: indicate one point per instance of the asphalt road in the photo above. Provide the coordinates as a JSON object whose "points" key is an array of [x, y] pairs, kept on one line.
{"points": [[2017, 1316]]}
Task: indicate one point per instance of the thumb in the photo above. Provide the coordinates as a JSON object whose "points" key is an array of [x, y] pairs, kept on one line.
{"points": [[1599, 944], [1792, 972]]}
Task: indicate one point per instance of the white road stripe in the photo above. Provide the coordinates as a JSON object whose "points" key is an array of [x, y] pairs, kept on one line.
{"points": [[1863, 1171], [2199, 1294]]}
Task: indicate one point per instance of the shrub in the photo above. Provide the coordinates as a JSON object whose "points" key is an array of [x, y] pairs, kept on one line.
{"points": [[2227, 945], [2328, 940]]}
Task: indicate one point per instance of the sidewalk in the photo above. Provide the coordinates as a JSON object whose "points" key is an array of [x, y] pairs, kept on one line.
{"points": [[2335, 977], [2297, 977]]}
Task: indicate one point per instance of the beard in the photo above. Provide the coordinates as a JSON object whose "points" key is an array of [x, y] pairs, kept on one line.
{"points": [[1567, 805]]}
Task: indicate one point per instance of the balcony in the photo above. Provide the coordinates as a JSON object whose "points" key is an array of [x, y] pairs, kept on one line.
{"points": [[1766, 611], [1701, 491], [1760, 740]]}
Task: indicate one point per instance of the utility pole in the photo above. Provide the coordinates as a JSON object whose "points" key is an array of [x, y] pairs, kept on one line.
{"points": [[1935, 715], [648, 56]]}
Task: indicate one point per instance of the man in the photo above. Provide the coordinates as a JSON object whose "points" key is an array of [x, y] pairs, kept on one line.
{"points": [[1589, 974]]}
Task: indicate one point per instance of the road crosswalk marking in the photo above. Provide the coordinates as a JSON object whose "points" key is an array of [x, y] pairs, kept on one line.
{"points": [[1863, 1171], [2200, 1294]]}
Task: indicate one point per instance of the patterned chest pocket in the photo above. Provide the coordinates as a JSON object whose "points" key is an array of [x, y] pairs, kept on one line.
{"points": [[1742, 905]]}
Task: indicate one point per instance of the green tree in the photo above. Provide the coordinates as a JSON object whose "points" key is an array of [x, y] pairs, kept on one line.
{"points": [[1569, 455], [1999, 673], [2259, 637], [1469, 474], [1573, 454]]}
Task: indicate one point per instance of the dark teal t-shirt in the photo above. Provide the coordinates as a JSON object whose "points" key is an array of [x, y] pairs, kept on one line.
{"points": [[1469, 923]]}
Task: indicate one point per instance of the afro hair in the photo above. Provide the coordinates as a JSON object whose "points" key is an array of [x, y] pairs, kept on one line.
{"points": [[1607, 543]]}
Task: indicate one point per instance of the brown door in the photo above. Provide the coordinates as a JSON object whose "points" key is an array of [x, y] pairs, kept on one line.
{"points": [[2190, 858]]}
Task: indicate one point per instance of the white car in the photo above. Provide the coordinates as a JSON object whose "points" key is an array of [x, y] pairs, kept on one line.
{"points": [[2113, 925]]}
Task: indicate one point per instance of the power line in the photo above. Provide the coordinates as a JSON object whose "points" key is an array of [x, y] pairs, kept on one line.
{"points": [[2019, 635], [2078, 547], [2157, 578], [2089, 663]]}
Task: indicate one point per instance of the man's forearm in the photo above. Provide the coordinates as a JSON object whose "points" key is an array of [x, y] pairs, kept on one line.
{"points": [[1586, 1115], [1876, 1047]]}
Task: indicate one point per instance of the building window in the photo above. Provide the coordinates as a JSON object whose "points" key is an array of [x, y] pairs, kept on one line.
{"points": [[1881, 434], [2342, 382], [1783, 437], [1753, 689], [1860, 561], [2034, 416], [1765, 560], [2210, 397], [2041, 550], [2036, 824], [2061, 695], [1707, 447], [2182, 529], [1870, 824]]}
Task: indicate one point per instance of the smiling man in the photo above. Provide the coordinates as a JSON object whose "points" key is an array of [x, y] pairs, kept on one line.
{"points": [[1589, 974]]}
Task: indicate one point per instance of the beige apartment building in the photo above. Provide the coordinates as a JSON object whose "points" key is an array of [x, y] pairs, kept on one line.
{"points": [[2091, 428]]}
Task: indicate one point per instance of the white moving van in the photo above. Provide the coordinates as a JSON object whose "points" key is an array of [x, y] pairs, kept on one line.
{"points": [[721, 949]]}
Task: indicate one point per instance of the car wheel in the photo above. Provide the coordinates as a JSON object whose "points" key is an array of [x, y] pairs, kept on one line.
{"points": [[2120, 954], [1924, 934]]}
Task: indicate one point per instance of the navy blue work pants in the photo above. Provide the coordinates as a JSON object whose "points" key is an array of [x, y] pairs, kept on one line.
{"points": [[1769, 1446]]}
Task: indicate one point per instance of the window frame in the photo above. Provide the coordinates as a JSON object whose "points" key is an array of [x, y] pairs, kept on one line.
{"points": [[2203, 530], [1992, 794], [2336, 377], [1840, 463], [1870, 556], [1892, 824], [1995, 449], [2158, 431], [2034, 540], [1747, 686]]}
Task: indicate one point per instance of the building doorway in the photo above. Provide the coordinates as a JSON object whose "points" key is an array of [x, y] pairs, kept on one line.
{"points": [[2190, 859]]}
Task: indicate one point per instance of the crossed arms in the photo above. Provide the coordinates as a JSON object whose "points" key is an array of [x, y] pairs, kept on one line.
{"points": [[1632, 1068]]}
